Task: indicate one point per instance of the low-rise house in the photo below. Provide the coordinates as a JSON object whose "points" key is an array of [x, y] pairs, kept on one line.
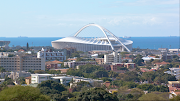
{"points": [[173, 85], [53, 64], [72, 59], [129, 65], [65, 80], [38, 78], [94, 56], [16, 75], [175, 72], [79, 79], [159, 64], [99, 60], [148, 58], [128, 59], [174, 88]]}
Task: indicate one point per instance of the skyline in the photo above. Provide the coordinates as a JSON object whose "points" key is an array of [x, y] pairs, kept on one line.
{"points": [[135, 18]]}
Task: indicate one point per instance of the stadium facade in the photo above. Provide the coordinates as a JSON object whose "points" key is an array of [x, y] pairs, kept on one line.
{"points": [[4, 43], [108, 42]]}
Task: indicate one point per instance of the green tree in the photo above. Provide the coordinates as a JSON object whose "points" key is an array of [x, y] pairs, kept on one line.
{"points": [[8, 81], [80, 85], [101, 56], [39, 71], [101, 73], [106, 79], [52, 89], [154, 96], [96, 94], [21, 80], [31, 71], [11, 55], [175, 98], [123, 54], [22, 93], [54, 72], [27, 46], [2, 69]]}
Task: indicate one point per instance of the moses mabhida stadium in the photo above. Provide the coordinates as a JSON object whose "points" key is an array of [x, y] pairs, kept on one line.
{"points": [[108, 42]]}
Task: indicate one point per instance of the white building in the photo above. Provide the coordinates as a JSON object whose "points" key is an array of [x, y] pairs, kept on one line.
{"points": [[175, 72], [62, 79], [77, 79], [50, 56], [16, 75], [73, 64], [147, 59], [38, 78], [113, 57], [5, 54], [22, 63]]}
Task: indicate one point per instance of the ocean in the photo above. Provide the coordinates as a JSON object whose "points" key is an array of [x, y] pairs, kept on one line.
{"points": [[138, 42]]}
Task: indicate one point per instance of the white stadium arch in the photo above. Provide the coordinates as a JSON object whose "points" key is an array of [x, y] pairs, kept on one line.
{"points": [[82, 44]]}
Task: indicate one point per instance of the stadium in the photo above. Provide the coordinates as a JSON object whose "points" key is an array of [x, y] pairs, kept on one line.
{"points": [[4, 43], [108, 42]]}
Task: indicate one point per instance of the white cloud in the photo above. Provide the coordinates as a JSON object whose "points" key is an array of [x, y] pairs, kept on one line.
{"points": [[78, 20]]}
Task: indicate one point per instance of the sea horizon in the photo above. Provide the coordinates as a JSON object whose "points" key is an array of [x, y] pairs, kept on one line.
{"points": [[138, 42]]}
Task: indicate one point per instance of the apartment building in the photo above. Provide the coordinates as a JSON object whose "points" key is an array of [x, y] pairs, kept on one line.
{"points": [[51, 55], [22, 63], [113, 57]]}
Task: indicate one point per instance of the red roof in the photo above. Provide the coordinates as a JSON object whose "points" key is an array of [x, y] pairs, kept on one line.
{"points": [[152, 56], [21, 50], [53, 62], [161, 63], [173, 89], [126, 58]]}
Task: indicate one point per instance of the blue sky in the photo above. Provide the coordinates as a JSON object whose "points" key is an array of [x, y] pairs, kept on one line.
{"points": [[61, 18]]}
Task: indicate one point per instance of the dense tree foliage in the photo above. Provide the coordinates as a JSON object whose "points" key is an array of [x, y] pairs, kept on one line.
{"points": [[150, 87], [22, 93], [96, 94], [133, 94], [88, 71], [154, 96], [2, 69], [81, 86], [120, 83], [54, 72], [11, 55], [21, 80], [129, 76], [39, 71], [157, 77], [138, 60], [52, 89]]}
